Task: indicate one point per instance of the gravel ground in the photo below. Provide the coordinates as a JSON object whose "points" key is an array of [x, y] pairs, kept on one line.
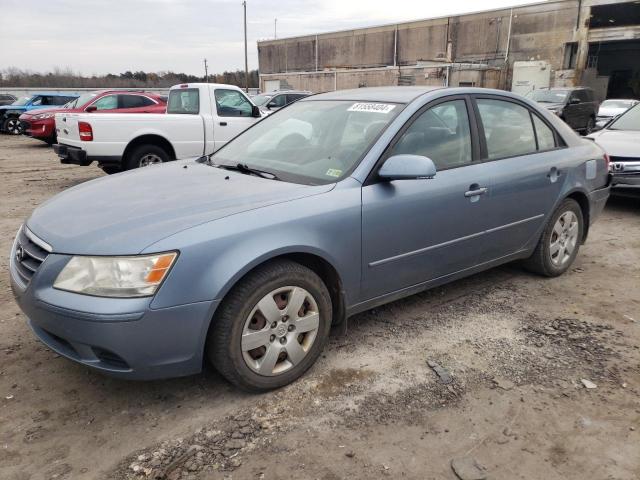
{"points": [[515, 353]]}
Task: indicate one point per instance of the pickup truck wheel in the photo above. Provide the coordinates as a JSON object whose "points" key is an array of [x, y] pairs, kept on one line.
{"points": [[271, 327], [12, 126], [559, 244], [146, 155]]}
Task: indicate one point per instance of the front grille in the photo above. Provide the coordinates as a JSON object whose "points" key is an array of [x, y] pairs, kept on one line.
{"points": [[28, 255], [624, 159]]}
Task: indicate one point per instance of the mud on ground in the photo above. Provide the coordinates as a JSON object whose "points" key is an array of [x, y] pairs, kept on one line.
{"points": [[516, 346]]}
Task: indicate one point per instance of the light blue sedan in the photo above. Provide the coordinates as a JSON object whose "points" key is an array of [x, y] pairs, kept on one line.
{"points": [[333, 205]]}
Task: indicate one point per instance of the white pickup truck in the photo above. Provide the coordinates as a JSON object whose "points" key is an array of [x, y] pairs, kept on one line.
{"points": [[200, 118]]}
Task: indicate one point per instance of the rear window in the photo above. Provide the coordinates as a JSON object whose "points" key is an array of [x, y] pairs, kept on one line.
{"points": [[184, 101]]}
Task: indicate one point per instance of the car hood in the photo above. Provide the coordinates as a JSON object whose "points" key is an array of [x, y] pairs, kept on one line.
{"points": [[551, 106], [39, 111], [610, 111], [124, 213], [618, 143]]}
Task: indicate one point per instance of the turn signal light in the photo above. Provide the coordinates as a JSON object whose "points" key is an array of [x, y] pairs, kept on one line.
{"points": [[86, 132]]}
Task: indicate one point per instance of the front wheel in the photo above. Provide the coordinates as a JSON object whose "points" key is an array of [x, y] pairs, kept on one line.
{"points": [[13, 126], [145, 156], [271, 327], [590, 126], [559, 244]]}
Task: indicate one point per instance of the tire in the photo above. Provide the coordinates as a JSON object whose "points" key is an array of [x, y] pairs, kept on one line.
{"points": [[12, 126], [111, 169], [590, 126], [145, 155], [240, 313], [552, 257]]}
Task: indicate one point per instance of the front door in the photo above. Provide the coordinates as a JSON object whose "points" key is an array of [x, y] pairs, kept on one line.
{"points": [[234, 115], [418, 230]]}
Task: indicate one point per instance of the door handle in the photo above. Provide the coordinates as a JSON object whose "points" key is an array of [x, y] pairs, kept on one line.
{"points": [[223, 124], [554, 173], [476, 192]]}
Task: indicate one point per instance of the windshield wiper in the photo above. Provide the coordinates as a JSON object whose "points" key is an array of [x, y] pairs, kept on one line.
{"points": [[244, 168]]}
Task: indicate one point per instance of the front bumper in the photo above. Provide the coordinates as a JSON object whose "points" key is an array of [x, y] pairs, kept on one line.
{"points": [[126, 338], [37, 129], [72, 155]]}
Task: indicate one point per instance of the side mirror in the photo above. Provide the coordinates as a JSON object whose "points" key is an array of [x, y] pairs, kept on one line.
{"points": [[574, 101], [255, 111], [91, 108], [407, 167]]}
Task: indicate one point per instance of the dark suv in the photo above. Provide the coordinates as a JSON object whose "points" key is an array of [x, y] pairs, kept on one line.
{"points": [[577, 106]]}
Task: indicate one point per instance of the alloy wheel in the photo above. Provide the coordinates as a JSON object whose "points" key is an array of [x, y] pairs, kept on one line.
{"points": [[149, 159], [564, 238], [280, 330], [14, 127]]}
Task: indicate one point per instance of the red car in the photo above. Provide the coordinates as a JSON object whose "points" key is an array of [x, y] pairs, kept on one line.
{"points": [[41, 124]]}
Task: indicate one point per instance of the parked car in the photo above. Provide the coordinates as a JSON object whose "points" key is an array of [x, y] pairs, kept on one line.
{"points": [[247, 256], [7, 99], [272, 101], [611, 108], [41, 124], [621, 140], [576, 106], [10, 114], [201, 117]]}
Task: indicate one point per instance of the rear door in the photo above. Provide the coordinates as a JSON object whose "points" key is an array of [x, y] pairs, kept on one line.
{"points": [[525, 158], [414, 231], [234, 115], [131, 103]]}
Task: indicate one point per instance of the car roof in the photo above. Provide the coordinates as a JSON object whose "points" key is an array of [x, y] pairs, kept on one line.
{"points": [[50, 94], [375, 94]]}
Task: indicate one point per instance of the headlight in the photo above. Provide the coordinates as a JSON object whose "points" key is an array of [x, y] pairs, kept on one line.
{"points": [[138, 276], [40, 116]]}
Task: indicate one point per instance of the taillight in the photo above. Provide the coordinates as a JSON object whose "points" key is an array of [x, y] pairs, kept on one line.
{"points": [[607, 162], [86, 132]]}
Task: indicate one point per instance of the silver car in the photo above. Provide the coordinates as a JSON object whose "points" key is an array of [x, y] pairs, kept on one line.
{"points": [[333, 205], [621, 140]]}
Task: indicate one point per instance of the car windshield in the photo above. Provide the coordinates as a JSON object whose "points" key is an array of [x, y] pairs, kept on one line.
{"points": [[260, 100], [22, 101], [548, 96], [81, 100], [310, 142], [629, 120], [618, 103]]}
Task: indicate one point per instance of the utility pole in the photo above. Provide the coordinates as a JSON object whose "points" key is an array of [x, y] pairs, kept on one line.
{"points": [[206, 71], [246, 62], [275, 28]]}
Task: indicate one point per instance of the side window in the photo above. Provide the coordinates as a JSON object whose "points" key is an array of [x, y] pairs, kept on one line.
{"points": [[231, 103], [108, 102], [440, 133], [38, 101], [279, 101], [582, 95], [60, 100], [507, 128], [134, 101], [546, 139]]}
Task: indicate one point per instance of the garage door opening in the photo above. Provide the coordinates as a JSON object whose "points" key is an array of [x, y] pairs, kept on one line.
{"points": [[620, 61]]}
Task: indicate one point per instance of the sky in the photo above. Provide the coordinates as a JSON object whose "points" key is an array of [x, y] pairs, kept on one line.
{"points": [[98, 37]]}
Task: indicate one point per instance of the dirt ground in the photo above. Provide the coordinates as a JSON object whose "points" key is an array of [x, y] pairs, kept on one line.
{"points": [[515, 345]]}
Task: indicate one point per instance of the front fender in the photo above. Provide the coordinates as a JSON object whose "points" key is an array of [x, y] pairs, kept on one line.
{"points": [[215, 255]]}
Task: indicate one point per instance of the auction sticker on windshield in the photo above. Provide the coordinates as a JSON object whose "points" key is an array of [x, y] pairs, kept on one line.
{"points": [[371, 107]]}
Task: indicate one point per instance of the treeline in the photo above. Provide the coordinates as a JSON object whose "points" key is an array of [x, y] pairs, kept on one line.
{"points": [[14, 77]]}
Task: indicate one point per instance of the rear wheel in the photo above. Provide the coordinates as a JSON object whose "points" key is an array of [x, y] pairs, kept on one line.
{"points": [[271, 327], [13, 126], [145, 156], [590, 126], [559, 244]]}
